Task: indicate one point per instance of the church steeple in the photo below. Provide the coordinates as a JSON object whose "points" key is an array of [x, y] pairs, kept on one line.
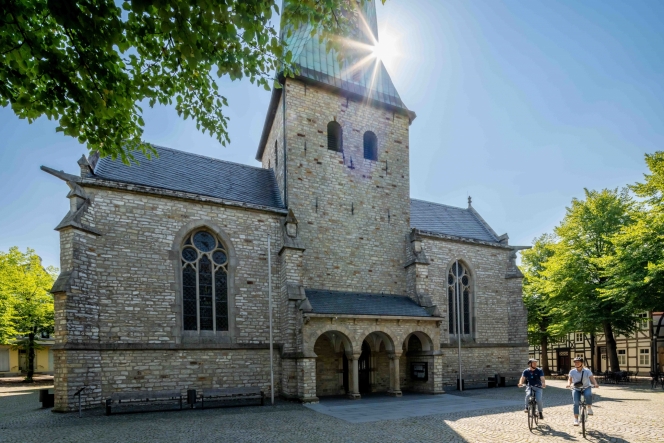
{"points": [[359, 73], [360, 76]]}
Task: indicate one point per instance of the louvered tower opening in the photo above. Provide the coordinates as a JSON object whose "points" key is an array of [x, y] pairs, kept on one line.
{"points": [[370, 146], [334, 137]]}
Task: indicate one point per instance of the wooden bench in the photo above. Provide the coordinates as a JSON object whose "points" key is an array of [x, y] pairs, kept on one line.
{"points": [[141, 398], [509, 378], [476, 381], [228, 394]]}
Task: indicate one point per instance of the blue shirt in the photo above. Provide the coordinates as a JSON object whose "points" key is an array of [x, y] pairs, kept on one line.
{"points": [[533, 378]]}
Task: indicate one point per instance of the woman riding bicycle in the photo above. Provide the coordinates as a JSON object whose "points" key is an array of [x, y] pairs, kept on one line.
{"points": [[582, 379], [535, 378]]}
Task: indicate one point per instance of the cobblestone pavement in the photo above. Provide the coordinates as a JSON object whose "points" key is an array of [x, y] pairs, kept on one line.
{"points": [[632, 413]]}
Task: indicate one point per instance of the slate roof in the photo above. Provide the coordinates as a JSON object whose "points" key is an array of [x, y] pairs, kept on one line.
{"points": [[355, 303], [369, 80], [186, 172], [449, 220]]}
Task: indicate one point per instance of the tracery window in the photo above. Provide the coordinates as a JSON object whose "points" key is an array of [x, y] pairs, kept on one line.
{"points": [[459, 280], [204, 283], [334, 136], [370, 146]]}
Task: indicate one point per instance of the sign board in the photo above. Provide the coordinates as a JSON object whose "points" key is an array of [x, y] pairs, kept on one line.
{"points": [[419, 371]]}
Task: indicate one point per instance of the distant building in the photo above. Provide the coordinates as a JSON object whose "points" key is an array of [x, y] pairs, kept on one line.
{"points": [[641, 352], [164, 281], [14, 362]]}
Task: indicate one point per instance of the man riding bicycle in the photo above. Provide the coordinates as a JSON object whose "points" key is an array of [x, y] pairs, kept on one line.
{"points": [[534, 378], [582, 379]]}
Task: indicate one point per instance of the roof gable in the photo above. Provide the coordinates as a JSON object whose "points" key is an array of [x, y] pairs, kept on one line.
{"points": [[449, 220]]}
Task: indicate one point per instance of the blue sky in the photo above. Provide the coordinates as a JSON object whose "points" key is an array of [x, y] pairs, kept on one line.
{"points": [[520, 104]]}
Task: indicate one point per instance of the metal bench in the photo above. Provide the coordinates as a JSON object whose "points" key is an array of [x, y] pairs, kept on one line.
{"points": [[476, 381], [508, 378], [140, 398], [228, 394]]}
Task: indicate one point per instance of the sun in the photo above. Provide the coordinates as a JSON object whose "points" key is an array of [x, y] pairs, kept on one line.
{"points": [[386, 49]]}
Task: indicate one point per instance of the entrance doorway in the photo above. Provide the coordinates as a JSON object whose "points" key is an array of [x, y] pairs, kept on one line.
{"points": [[564, 362], [364, 369]]}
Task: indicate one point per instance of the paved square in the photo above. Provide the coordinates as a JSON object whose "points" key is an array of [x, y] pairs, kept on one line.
{"points": [[414, 405], [632, 413]]}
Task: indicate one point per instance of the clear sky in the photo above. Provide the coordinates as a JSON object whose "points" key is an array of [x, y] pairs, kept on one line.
{"points": [[520, 104]]}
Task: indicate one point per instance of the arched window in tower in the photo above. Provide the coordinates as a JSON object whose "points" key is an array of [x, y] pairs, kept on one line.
{"points": [[459, 280], [204, 283], [370, 146], [334, 137]]}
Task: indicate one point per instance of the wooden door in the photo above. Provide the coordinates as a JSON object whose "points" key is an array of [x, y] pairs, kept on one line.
{"points": [[564, 362]]}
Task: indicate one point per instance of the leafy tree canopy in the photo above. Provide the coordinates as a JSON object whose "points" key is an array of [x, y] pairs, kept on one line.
{"points": [[575, 274], [90, 63], [535, 298], [637, 268], [26, 306]]}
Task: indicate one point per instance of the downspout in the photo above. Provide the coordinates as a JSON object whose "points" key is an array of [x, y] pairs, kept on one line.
{"points": [[283, 120]]}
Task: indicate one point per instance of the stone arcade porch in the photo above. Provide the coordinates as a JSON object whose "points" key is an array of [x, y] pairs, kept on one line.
{"points": [[353, 354]]}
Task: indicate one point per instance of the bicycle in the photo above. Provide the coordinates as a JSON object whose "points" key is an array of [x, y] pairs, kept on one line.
{"points": [[533, 416], [657, 378], [583, 414]]}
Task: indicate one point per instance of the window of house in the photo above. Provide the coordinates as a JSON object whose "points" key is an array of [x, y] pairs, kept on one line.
{"points": [[622, 356], [370, 146], [334, 137], [580, 355], [644, 320], [459, 280], [644, 357], [579, 337], [4, 360], [204, 283]]}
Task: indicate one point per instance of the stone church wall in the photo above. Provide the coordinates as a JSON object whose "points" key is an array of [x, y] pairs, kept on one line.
{"points": [[124, 293], [353, 213], [500, 342], [187, 369]]}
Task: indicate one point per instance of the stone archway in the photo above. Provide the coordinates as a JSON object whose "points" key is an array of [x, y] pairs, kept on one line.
{"points": [[418, 363], [383, 372], [333, 351]]}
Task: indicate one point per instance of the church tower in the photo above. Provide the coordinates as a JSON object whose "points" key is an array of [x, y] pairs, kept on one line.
{"points": [[336, 136]]}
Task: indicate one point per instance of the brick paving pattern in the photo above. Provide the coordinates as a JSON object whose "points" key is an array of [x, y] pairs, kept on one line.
{"points": [[631, 413]]}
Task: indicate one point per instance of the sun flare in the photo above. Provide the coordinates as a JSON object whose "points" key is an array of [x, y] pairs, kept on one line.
{"points": [[386, 50]]}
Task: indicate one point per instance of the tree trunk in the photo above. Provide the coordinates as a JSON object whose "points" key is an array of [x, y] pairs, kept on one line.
{"points": [[544, 345], [31, 357], [611, 352]]}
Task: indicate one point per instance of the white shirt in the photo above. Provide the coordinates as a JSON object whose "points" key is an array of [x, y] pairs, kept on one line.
{"points": [[583, 375]]}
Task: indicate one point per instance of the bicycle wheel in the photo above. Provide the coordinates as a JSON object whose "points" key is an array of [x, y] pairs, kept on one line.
{"points": [[583, 421], [531, 416]]}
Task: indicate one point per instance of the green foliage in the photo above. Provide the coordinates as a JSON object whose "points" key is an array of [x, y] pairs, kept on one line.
{"points": [[27, 305], [576, 274], [90, 63], [637, 268], [535, 298]]}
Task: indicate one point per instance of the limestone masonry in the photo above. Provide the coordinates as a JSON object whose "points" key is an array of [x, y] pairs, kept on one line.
{"points": [[164, 281]]}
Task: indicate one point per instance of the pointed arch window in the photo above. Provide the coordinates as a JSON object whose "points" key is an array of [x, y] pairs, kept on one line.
{"points": [[204, 283], [334, 137], [459, 279], [370, 146]]}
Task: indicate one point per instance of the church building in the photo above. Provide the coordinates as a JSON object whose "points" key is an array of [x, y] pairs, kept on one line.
{"points": [[164, 263]]}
